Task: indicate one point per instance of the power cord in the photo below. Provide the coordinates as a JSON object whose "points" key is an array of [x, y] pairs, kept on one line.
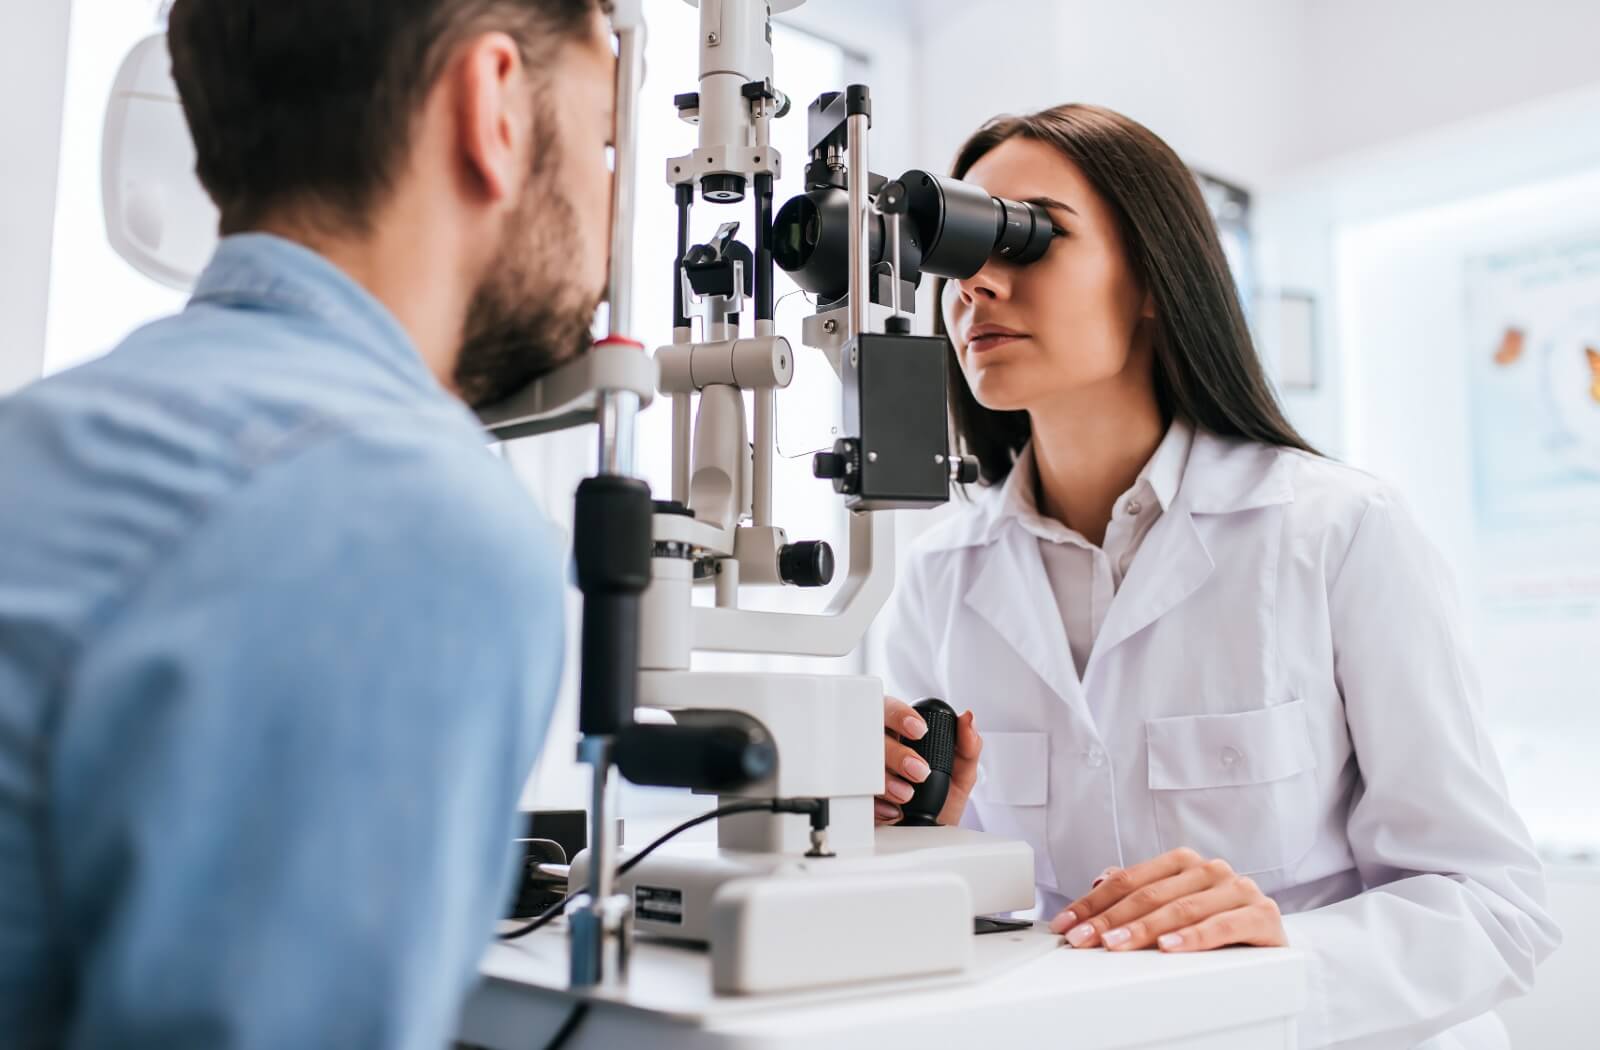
{"points": [[816, 808], [569, 1026]]}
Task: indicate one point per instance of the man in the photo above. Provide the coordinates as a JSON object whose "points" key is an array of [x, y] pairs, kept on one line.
{"points": [[279, 638]]}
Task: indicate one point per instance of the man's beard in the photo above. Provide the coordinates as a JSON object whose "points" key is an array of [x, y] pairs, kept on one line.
{"points": [[529, 314]]}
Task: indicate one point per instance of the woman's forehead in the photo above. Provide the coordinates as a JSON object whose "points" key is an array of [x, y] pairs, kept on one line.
{"points": [[1021, 168]]}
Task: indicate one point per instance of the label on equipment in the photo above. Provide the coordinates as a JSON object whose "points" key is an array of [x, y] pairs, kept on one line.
{"points": [[658, 904]]}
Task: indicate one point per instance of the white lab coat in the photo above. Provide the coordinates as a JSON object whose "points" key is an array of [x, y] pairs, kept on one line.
{"points": [[1281, 682]]}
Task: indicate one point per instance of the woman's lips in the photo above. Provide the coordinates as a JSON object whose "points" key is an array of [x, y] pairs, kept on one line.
{"points": [[990, 341]]}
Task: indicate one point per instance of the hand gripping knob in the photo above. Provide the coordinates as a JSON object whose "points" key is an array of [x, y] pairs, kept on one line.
{"points": [[937, 748]]}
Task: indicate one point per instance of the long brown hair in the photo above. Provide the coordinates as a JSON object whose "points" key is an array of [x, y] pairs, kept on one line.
{"points": [[1206, 367]]}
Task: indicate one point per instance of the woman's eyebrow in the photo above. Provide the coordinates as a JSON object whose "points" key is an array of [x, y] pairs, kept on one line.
{"points": [[1051, 202]]}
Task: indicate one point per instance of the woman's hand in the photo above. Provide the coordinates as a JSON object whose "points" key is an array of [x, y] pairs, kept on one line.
{"points": [[903, 767], [1179, 902]]}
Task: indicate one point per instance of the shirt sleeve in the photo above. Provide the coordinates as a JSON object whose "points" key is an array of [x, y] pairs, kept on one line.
{"points": [[288, 763], [909, 654], [1453, 920]]}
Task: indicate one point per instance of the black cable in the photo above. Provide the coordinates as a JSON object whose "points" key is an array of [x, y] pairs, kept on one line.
{"points": [[769, 805], [568, 1026]]}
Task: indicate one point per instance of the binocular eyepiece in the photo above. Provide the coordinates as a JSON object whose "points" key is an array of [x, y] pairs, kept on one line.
{"points": [[949, 228]]}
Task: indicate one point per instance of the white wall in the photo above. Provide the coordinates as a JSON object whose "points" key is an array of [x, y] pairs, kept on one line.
{"points": [[1380, 70], [33, 62], [1215, 79], [1561, 1012]]}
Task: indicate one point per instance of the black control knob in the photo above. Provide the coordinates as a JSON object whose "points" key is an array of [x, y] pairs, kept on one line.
{"points": [[967, 470], [842, 465], [828, 465], [937, 748], [808, 563], [725, 756]]}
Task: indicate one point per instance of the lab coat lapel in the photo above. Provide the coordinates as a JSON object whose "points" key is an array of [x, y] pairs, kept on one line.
{"points": [[1172, 564], [1012, 593], [1222, 477]]}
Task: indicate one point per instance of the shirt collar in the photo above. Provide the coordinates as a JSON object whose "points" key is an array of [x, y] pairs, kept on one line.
{"points": [[1159, 480], [1164, 472], [270, 272]]}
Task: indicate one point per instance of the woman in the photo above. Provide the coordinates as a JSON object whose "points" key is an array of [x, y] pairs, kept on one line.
{"points": [[1223, 694]]}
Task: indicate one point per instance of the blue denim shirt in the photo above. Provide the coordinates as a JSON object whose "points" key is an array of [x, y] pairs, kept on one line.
{"points": [[279, 640]]}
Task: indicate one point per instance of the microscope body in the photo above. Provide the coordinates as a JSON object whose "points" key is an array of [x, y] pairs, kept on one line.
{"points": [[776, 910]]}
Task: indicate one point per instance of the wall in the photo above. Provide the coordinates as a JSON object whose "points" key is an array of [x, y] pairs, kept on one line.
{"points": [[33, 61], [1381, 70], [1560, 1014], [1215, 79]]}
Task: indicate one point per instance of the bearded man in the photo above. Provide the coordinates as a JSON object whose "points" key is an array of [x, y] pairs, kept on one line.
{"points": [[279, 638]]}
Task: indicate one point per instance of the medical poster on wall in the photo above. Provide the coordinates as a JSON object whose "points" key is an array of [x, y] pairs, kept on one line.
{"points": [[1533, 329]]}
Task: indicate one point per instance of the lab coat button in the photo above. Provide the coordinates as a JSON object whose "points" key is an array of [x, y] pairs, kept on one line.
{"points": [[1095, 758], [1230, 757], [1133, 507]]}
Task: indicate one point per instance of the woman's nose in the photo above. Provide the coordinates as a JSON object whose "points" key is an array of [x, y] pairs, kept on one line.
{"points": [[991, 282]]}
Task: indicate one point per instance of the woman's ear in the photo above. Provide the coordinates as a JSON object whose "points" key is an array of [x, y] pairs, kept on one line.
{"points": [[1148, 310]]}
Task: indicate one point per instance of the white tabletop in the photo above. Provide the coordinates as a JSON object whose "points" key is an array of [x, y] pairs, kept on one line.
{"points": [[1026, 990]]}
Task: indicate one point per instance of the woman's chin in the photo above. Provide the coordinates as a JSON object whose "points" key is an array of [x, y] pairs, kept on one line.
{"points": [[1001, 394]]}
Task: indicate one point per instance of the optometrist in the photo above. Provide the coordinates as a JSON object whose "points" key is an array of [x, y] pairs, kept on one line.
{"points": [[1215, 679]]}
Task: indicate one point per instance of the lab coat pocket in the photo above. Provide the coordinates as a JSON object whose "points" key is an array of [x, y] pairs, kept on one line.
{"points": [[1013, 793], [1237, 786]]}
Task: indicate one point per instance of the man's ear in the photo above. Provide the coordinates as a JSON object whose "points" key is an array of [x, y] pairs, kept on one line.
{"points": [[493, 110]]}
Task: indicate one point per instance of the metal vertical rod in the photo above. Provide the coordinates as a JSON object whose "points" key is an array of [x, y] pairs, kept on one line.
{"points": [[682, 430], [765, 400], [894, 262], [860, 246], [602, 876], [761, 474], [616, 414], [684, 195], [625, 139], [763, 281]]}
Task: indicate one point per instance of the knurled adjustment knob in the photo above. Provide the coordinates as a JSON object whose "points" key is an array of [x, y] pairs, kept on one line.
{"points": [[808, 563]]}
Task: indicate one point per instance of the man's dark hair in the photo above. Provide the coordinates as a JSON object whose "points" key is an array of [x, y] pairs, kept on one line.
{"points": [[312, 102]]}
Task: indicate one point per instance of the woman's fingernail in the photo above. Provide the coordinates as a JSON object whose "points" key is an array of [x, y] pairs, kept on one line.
{"points": [[1113, 938], [886, 811], [915, 727], [915, 768], [901, 791], [1061, 922], [1170, 941], [1081, 935]]}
